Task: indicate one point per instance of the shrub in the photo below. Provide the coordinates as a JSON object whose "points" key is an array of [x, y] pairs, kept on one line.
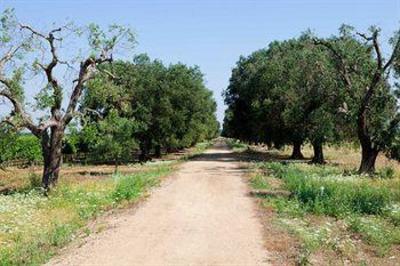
{"points": [[21, 147]]}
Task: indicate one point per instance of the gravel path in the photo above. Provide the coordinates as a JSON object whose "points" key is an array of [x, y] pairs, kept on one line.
{"points": [[200, 216]]}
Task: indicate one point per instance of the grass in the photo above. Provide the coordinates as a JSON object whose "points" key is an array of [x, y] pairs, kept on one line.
{"points": [[337, 215], [322, 190], [258, 181], [33, 227], [236, 145], [22, 179]]}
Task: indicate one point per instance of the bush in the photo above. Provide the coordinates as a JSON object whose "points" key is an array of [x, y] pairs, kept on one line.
{"points": [[21, 147]]}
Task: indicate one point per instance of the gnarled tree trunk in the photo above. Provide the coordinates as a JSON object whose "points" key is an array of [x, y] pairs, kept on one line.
{"points": [[368, 151], [145, 147], [318, 153], [368, 159], [296, 153], [52, 155]]}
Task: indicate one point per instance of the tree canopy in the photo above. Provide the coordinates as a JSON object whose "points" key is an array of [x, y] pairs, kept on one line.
{"points": [[316, 90], [169, 107]]}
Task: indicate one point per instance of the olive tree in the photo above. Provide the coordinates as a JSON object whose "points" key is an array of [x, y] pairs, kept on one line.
{"points": [[27, 54], [365, 73]]}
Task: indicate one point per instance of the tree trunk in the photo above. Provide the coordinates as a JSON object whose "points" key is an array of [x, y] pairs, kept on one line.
{"points": [[52, 155], [145, 149], [158, 151], [368, 152], [368, 159], [296, 154], [116, 166], [143, 153], [318, 153]]}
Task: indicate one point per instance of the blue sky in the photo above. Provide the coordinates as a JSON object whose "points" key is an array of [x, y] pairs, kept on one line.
{"points": [[213, 34]]}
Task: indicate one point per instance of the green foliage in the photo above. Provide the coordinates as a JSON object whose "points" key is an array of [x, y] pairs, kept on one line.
{"points": [[14, 146], [297, 90], [259, 181], [236, 145], [115, 140], [323, 191], [129, 187], [168, 107], [376, 231], [386, 172], [280, 95], [33, 227]]}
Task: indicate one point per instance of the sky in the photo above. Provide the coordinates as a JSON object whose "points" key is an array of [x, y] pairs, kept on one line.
{"points": [[213, 34]]}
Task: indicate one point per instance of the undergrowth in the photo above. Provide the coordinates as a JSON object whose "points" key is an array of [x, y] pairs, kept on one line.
{"points": [[236, 145], [329, 208], [324, 190], [32, 226]]}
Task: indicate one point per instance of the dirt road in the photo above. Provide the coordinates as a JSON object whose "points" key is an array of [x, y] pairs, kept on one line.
{"points": [[201, 216]]}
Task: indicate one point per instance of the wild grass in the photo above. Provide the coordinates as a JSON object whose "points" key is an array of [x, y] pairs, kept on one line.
{"points": [[330, 208], [323, 190], [258, 181], [32, 226], [236, 145]]}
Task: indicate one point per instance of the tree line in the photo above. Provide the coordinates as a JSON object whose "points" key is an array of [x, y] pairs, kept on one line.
{"points": [[147, 106], [319, 90], [114, 107]]}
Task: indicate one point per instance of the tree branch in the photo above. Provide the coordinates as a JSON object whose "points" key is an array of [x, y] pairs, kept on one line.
{"points": [[19, 110], [8, 120], [396, 52], [48, 69], [85, 74], [375, 44], [12, 51], [342, 65]]}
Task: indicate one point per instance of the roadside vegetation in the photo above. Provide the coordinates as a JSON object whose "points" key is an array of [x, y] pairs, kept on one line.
{"points": [[34, 227], [320, 116], [330, 213]]}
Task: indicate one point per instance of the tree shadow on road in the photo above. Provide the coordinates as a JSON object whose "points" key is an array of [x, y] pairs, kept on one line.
{"points": [[244, 156]]}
